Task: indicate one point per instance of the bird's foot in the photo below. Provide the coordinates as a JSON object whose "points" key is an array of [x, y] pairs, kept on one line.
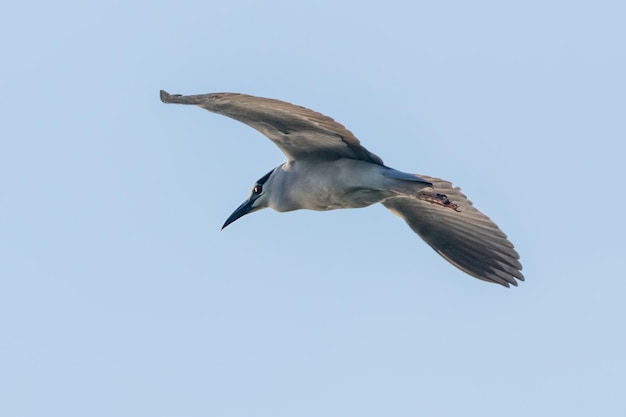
{"points": [[439, 199]]}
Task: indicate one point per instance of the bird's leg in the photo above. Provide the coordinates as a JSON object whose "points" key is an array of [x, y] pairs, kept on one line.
{"points": [[439, 199]]}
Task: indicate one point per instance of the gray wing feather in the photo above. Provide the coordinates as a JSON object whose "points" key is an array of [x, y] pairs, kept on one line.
{"points": [[299, 132], [460, 233]]}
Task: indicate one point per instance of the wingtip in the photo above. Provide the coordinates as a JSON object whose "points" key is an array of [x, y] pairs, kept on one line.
{"points": [[165, 96], [512, 281], [180, 99]]}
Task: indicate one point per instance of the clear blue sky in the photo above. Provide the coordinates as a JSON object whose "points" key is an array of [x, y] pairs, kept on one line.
{"points": [[120, 296]]}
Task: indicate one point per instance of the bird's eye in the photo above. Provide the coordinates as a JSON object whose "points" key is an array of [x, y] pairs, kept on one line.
{"points": [[257, 189]]}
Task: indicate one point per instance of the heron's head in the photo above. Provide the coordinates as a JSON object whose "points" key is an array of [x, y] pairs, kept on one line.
{"points": [[257, 200]]}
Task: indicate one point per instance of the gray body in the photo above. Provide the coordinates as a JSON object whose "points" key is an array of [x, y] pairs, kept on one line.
{"points": [[328, 185], [327, 168]]}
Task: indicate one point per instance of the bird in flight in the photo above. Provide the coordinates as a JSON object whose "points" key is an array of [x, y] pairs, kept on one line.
{"points": [[327, 168]]}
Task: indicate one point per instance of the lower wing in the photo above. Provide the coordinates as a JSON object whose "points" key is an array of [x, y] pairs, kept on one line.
{"points": [[449, 223]]}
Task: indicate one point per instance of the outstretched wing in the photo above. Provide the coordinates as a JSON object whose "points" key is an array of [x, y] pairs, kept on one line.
{"points": [[299, 132], [449, 223]]}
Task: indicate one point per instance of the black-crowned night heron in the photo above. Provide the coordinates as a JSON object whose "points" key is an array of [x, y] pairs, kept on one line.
{"points": [[327, 168]]}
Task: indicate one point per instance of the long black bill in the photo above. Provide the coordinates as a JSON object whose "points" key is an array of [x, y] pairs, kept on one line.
{"points": [[241, 211]]}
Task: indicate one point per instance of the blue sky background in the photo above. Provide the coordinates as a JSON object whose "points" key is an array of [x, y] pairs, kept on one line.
{"points": [[120, 296]]}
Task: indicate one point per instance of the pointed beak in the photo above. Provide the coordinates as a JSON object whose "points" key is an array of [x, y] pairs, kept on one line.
{"points": [[241, 211]]}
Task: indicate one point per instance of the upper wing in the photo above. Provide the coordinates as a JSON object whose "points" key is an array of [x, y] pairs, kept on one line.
{"points": [[299, 132], [468, 239]]}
